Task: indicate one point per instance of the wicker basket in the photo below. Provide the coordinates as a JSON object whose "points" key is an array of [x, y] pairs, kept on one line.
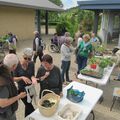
{"points": [[50, 110]]}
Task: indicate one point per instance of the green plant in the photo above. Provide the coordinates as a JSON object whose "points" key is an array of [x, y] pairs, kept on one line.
{"points": [[4, 38], [103, 63], [99, 48], [93, 60]]}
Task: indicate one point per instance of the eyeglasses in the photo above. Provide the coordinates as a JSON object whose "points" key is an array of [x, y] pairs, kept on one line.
{"points": [[26, 58]]}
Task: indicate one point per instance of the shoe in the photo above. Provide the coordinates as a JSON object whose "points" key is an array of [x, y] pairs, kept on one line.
{"points": [[64, 83], [69, 80], [76, 75], [116, 79]]}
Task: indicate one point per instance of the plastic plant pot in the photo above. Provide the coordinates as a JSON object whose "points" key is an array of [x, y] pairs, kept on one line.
{"points": [[93, 66]]}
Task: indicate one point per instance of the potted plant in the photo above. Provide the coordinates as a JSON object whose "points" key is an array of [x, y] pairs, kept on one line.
{"points": [[103, 64], [99, 49], [93, 63]]}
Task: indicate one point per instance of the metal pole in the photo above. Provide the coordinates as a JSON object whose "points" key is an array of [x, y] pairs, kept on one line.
{"points": [[38, 21], [96, 17], [46, 22]]}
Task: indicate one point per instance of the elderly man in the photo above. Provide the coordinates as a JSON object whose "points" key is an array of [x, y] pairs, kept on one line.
{"points": [[8, 91], [11, 61]]}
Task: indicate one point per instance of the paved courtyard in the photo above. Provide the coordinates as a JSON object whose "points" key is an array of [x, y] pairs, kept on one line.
{"points": [[102, 111]]}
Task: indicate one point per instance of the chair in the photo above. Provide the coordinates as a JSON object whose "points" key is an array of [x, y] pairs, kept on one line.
{"points": [[116, 96]]}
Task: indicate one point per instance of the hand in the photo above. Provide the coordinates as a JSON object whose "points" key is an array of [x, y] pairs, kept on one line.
{"points": [[34, 80], [34, 52], [22, 95], [26, 80], [61, 94], [47, 74]]}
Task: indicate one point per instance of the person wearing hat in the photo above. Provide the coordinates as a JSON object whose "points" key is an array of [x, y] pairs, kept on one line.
{"points": [[26, 69], [37, 47], [8, 90], [66, 51]]}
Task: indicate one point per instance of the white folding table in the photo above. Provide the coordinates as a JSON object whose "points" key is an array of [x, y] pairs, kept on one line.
{"points": [[103, 80], [91, 97]]}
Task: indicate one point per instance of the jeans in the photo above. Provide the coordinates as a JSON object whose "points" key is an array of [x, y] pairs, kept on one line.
{"points": [[65, 70], [82, 62]]}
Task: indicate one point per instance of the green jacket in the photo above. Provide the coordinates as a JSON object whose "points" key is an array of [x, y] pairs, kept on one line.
{"points": [[85, 49]]}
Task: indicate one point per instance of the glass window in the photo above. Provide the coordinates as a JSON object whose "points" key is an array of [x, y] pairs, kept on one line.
{"points": [[116, 22]]}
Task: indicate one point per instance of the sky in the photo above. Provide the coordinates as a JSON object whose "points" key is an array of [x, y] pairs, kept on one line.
{"points": [[69, 3]]}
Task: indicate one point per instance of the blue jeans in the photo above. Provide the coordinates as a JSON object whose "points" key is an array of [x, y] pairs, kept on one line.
{"points": [[65, 70], [82, 62]]}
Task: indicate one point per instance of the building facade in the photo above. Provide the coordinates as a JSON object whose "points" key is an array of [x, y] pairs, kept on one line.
{"points": [[19, 17], [20, 21]]}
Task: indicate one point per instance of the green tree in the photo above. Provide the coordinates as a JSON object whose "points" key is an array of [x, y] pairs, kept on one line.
{"points": [[57, 2]]}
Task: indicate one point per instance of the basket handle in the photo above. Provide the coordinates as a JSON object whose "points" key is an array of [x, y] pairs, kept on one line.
{"points": [[46, 90]]}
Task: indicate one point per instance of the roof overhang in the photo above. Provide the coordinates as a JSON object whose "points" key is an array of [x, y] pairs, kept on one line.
{"points": [[34, 4], [99, 4]]}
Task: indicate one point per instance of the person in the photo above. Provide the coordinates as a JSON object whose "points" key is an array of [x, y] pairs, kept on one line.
{"points": [[12, 43], [85, 49], [25, 69], [49, 76], [78, 33], [94, 39], [62, 38], [37, 47], [66, 51], [55, 40], [116, 57], [80, 39], [8, 91]]}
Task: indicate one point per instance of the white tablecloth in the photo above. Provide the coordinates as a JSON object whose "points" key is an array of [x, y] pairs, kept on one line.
{"points": [[103, 80], [92, 96]]}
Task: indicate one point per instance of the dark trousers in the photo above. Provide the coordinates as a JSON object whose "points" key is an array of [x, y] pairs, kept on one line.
{"points": [[65, 70], [12, 51], [82, 62], [28, 106], [36, 55]]}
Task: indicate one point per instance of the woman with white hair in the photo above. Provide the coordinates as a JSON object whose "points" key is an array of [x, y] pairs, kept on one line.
{"points": [[84, 50], [26, 68], [66, 58]]}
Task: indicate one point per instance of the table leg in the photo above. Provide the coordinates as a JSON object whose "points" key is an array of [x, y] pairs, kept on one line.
{"points": [[96, 85], [114, 99], [86, 82], [92, 112], [101, 99], [109, 80]]}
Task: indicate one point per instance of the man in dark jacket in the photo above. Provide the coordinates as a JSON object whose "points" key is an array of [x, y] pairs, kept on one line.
{"points": [[37, 47]]}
